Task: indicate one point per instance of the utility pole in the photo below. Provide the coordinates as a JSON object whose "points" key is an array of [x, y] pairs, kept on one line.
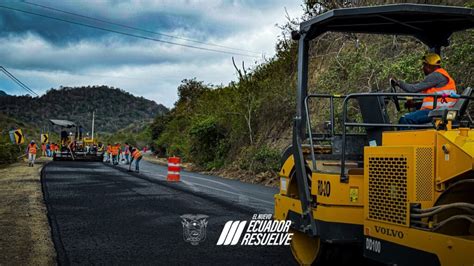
{"points": [[93, 117]]}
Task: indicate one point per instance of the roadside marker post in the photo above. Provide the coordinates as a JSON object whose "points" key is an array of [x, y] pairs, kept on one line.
{"points": [[44, 138], [174, 167], [16, 136]]}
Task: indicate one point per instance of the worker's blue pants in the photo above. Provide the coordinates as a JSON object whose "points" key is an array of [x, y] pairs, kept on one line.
{"points": [[417, 117], [115, 159], [137, 162]]}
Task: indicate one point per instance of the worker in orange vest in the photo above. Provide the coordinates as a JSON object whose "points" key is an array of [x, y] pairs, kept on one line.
{"points": [[437, 81], [31, 152], [52, 148], [108, 153], [55, 147], [43, 149], [126, 153], [115, 152], [137, 156], [119, 152]]}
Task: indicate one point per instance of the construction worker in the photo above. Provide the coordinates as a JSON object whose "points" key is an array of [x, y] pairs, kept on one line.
{"points": [[48, 149], [55, 147], [100, 147], [119, 152], [126, 152], [31, 152], [115, 152], [43, 149], [72, 147], [108, 153], [64, 137], [137, 156], [437, 81]]}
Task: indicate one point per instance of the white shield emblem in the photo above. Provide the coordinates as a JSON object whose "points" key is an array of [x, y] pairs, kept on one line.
{"points": [[194, 227]]}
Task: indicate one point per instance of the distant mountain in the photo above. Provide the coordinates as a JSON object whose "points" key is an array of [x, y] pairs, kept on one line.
{"points": [[2, 93], [114, 108]]}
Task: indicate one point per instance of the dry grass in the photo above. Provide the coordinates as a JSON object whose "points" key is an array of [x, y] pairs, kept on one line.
{"points": [[25, 237]]}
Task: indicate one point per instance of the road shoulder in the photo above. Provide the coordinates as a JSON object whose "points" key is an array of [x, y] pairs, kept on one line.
{"points": [[26, 235]]}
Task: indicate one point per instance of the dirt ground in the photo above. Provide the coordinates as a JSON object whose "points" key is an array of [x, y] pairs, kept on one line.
{"points": [[25, 237]]}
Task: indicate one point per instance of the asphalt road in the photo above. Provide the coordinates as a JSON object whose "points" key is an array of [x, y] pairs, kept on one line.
{"points": [[258, 197], [105, 215]]}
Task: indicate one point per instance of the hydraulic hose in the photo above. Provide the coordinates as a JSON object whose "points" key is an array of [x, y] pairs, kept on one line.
{"points": [[434, 210]]}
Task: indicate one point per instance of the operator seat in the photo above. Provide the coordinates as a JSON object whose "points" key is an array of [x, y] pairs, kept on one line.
{"points": [[373, 111], [460, 106]]}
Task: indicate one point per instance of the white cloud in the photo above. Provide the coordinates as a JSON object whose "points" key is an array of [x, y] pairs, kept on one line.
{"points": [[146, 68]]}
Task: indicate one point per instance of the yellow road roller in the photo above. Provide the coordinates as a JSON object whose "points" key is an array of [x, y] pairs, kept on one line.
{"points": [[387, 193]]}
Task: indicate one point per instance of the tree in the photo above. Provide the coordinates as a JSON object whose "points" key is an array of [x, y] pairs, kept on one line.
{"points": [[248, 102], [189, 91]]}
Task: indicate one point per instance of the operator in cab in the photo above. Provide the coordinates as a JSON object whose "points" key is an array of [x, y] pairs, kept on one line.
{"points": [[437, 81]]}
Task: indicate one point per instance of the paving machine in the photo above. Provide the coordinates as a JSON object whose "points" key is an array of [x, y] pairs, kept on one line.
{"points": [[396, 194], [75, 146]]}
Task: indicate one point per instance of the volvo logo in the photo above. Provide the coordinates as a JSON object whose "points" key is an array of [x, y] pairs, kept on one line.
{"points": [[389, 232]]}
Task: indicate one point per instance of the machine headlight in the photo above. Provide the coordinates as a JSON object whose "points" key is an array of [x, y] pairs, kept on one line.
{"points": [[451, 115]]}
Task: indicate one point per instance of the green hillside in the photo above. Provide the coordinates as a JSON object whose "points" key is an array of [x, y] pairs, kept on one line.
{"points": [[138, 133], [115, 109]]}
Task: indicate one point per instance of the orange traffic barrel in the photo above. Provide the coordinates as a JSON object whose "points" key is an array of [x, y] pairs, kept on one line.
{"points": [[174, 168]]}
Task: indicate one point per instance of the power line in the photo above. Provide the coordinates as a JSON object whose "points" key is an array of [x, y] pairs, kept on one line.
{"points": [[138, 29], [17, 81], [128, 34]]}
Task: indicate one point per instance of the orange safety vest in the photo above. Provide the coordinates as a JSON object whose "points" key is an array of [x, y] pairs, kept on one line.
{"points": [[32, 148], [43, 147], [449, 88], [114, 150], [136, 154]]}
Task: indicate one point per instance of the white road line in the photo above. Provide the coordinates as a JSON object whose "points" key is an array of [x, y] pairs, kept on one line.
{"points": [[233, 193], [217, 189], [193, 187], [213, 181]]}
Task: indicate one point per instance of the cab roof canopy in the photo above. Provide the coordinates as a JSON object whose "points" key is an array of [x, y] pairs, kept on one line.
{"points": [[62, 123], [431, 24]]}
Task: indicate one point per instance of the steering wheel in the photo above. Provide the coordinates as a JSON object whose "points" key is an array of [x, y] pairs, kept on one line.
{"points": [[393, 84]]}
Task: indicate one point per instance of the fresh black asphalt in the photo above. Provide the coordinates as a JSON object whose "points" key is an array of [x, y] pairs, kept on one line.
{"points": [[105, 215], [256, 196]]}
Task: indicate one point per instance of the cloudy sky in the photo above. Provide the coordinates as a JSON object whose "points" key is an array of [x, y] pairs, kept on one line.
{"points": [[45, 53]]}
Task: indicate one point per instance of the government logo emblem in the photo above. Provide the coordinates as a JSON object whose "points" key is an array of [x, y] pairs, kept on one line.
{"points": [[194, 228]]}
